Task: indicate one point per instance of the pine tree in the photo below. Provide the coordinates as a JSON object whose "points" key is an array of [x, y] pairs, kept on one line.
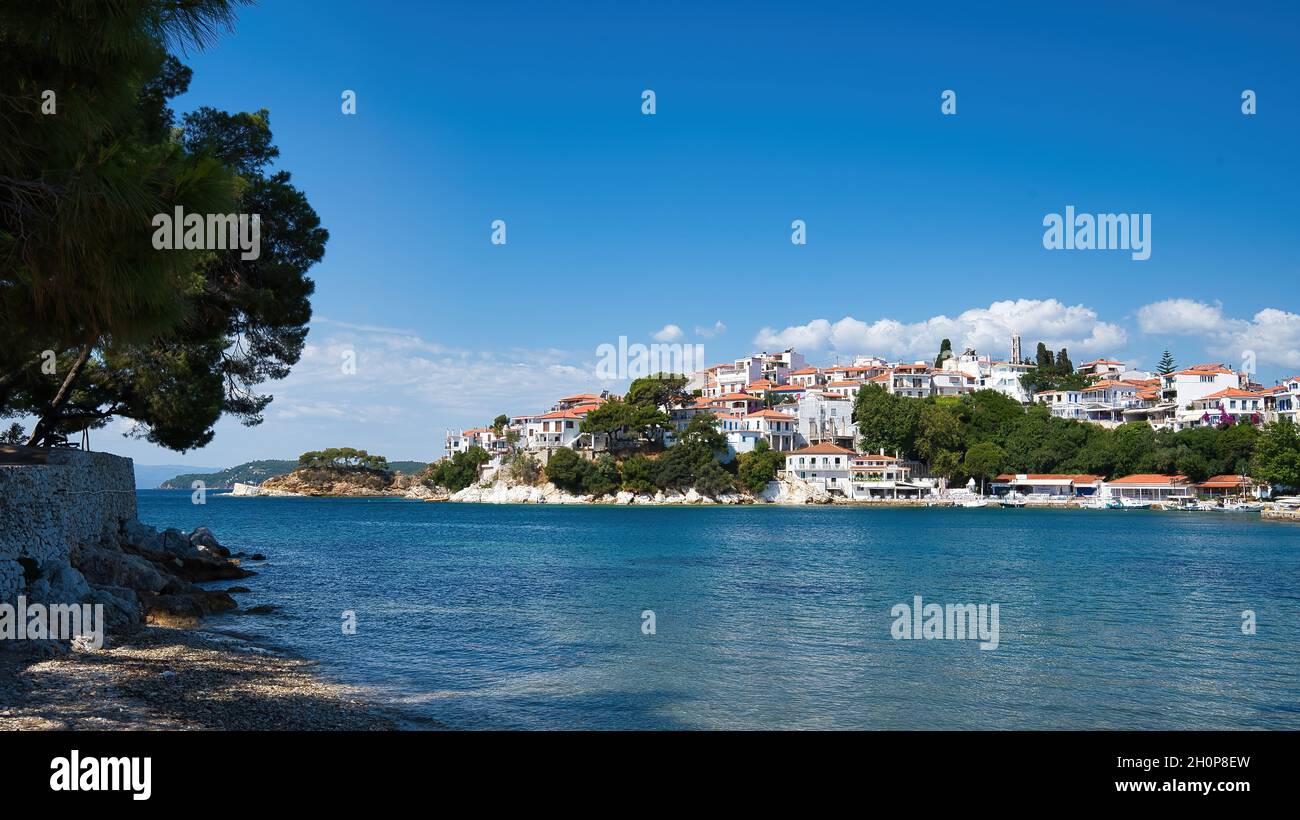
{"points": [[1166, 365]]}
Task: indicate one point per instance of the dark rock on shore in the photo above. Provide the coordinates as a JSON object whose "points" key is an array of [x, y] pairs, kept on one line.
{"points": [[260, 609], [189, 608], [144, 576], [206, 543]]}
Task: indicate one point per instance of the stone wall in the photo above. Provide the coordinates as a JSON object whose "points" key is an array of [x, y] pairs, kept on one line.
{"points": [[47, 509]]}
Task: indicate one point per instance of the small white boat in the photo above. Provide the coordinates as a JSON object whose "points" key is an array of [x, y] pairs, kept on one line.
{"points": [[1012, 499], [1093, 504], [1135, 504], [975, 502], [1242, 506], [1183, 503]]}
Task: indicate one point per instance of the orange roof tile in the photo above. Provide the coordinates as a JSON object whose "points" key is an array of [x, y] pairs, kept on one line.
{"points": [[1233, 393], [1150, 478]]}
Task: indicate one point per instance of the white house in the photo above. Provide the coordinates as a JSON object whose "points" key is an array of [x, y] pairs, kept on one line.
{"points": [[1286, 399], [1102, 368], [877, 477], [952, 383], [1064, 404], [825, 465], [1212, 410], [1105, 401], [807, 377], [736, 403], [912, 380], [845, 388], [778, 367], [779, 430], [558, 428], [1004, 377], [734, 377], [1186, 386]]}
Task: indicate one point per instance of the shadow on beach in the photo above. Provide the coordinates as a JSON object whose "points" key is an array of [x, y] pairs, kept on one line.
{"points": [[164, 678]]}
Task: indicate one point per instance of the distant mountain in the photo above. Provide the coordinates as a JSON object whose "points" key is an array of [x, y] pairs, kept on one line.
{"points": [[407, 467], [148, 476], [253, 472]]}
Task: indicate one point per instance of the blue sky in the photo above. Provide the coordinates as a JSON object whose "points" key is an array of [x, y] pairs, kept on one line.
{"points": [[919, 225]]}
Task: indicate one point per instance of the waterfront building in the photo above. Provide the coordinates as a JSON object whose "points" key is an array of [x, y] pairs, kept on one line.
{"points": [[878, 477], [1152, 487], [1232, 486], [1066, 485], [824, 465]]}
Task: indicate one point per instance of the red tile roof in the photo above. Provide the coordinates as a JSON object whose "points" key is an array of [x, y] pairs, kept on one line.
{"points": [[1233, 393], [1150, 478], [1228, 482]]}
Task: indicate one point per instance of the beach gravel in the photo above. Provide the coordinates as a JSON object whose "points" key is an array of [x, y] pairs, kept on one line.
{"points": [[167, 678]]}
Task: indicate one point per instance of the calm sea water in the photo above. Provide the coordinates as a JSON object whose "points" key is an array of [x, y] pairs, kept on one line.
{"points": [[486, 616]]}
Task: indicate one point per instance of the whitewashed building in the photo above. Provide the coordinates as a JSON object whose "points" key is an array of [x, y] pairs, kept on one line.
{"points": [[824, 465]]}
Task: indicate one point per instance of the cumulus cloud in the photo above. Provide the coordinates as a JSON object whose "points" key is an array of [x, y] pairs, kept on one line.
{"points": [[1271, 336], [988, 330], [1180, 316], [717, 329], [668, 333]]}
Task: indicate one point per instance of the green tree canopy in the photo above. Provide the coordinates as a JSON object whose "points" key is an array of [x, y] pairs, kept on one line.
{"points": [[171, 339], [459, 471], [657, 390], [983, 461], [886, 421], [1276, 458], [344, 458]]}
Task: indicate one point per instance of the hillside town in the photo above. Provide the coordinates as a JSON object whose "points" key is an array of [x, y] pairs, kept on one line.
{"points": [[778, 402]]}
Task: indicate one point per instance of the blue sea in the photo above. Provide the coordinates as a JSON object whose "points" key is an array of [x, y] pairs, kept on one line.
{"points": [[491, 617]]}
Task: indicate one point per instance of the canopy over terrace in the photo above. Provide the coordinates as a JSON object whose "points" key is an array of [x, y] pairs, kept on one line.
{"points": [[1066, 484]]}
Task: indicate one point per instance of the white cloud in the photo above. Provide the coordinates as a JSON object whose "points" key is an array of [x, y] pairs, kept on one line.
{"points": [[417, 386], [668, 333], [1180, 316], [709, 332], [988, 330], [1272, 335]]}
